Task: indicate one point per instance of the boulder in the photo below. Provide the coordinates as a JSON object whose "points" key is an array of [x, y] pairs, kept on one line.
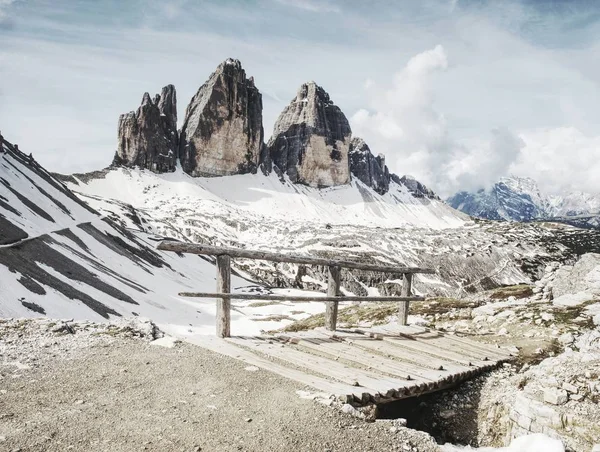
{"points": [[311, 140], [222, 132], [367, 168], [579, 283], [147, 138]]}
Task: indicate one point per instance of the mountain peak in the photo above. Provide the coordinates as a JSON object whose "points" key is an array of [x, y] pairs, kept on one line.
{"points": [[222, 132], [311, 139], [518, 198]]}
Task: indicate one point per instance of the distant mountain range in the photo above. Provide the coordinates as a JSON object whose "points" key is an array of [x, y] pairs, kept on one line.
{"points": [[520, 199]]}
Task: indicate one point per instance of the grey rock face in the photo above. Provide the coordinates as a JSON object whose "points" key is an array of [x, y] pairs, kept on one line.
{"points": [[311, 140], [148, 137], [369, 169], [416, 188], [222, 132]]}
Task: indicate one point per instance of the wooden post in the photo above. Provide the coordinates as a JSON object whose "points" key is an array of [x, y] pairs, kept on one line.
{"points": [[223, 304], [333, 290], [406, 291]]}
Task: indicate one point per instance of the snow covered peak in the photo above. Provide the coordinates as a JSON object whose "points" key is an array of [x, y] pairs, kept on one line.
{"points": [[520, 199]]}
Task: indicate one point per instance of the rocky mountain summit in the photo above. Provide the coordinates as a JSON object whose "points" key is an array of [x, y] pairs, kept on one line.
{"points": [[520, 199], [311, 139], [148, 137], [222, 134], [370, 170], [222, 131]]}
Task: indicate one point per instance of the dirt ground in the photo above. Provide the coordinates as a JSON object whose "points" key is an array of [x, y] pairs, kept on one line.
{"points": [[124, 394]]}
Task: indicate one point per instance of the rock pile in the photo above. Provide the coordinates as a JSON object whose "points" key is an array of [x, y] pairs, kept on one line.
{"points": [[27, 343]]}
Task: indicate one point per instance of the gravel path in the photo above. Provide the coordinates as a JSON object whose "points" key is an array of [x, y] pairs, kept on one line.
{"points": [[104, 389]]}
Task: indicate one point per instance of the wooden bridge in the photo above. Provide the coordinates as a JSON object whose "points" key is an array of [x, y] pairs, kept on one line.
{"points": [[359, 366]]}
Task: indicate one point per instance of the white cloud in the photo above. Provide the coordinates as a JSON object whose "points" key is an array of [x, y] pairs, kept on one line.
{"points": [[4, 5], [560, 159], [311, 5], [404, 124]]}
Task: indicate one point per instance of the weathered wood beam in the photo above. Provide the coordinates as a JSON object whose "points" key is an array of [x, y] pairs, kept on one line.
{"points": [[333, 290], [223, 303], [195, 248], [276, 297], [404, 305]]}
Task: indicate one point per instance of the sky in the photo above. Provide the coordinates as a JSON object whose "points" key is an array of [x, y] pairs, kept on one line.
{"points": [[456, 93]]}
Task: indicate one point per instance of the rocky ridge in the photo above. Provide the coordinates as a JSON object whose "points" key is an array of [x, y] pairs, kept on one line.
{"points": [[417, 189], [520, 199], [369, 169], [148, 137], [222, 134]]}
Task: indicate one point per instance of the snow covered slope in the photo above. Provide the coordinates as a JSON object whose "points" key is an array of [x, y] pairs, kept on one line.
{"points": [[268, 197], [61, 258], [64, 258], [351, 222], [520, 199]]}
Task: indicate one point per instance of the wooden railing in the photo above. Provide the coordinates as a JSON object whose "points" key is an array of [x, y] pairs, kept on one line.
{"points": [[224, 295]]}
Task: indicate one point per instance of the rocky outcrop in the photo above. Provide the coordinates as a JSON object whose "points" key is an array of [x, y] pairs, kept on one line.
{"points": [[416, 188], [222, 132], [311, 140], [369, 169], [148, 137]]}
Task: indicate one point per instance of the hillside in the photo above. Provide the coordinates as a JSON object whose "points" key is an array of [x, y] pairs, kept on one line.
{"points": [[61, 258]]}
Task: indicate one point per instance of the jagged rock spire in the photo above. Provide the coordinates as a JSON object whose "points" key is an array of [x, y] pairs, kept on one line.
{"points": [[367, 168], [148, 137], [222, 132], [311, 138]]}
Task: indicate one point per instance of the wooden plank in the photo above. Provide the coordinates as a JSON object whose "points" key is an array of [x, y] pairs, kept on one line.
{"points": [[410, 351], [345, 374], [223, 314], [479, 345], [277, 297], [404, 305], [426, 348], [415, 331], [408, 357], [467, 348], [347, 352], [196, 248], [333, 290], [223, 347]]}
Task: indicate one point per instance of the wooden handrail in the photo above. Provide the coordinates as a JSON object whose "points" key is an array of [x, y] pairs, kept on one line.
{"points": [[224, 295], [195, 248]]}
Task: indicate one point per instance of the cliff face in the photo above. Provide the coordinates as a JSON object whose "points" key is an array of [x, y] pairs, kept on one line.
{"points": [[311, 140], [369, 169], [147, 138], [222, 132]]}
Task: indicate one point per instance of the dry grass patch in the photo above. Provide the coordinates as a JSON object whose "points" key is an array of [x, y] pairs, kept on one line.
{"points": [[518, 291], [261, 304], [440, 305], [272, 318], [376, 314]]}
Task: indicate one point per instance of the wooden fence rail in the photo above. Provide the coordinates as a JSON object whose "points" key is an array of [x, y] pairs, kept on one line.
{"points": [[224, 295]]}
